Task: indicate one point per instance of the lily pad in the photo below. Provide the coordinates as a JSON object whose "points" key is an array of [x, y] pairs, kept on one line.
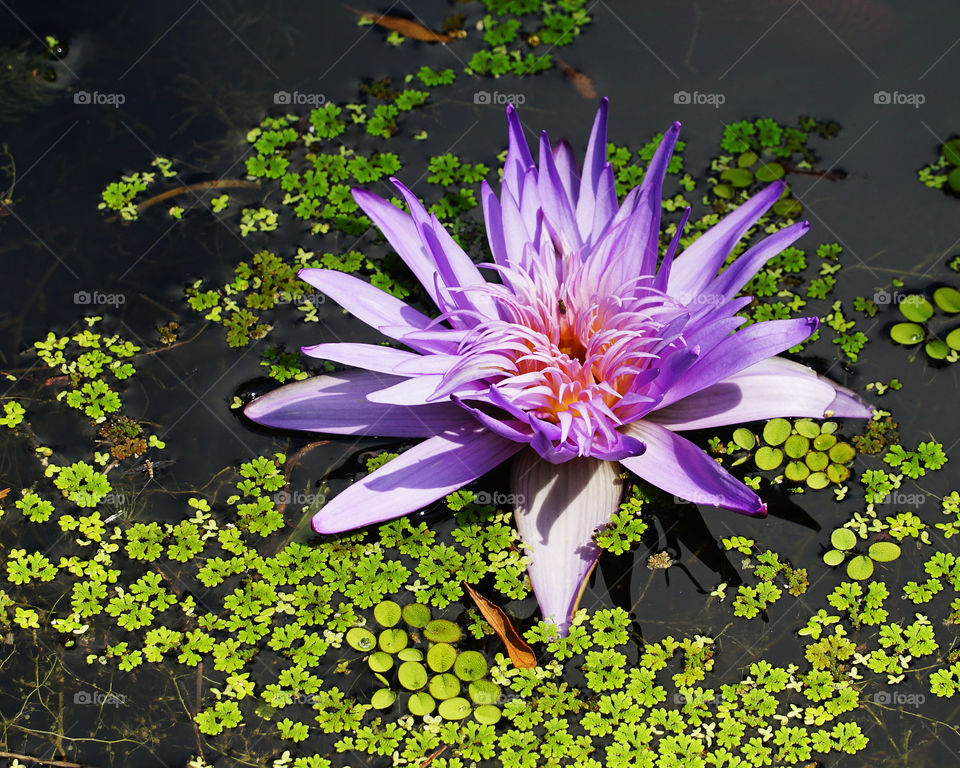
{"points": [[484, 692], [393, 640], [837, 473], [441, 656], [843, 538], [744, 438], [724, 191], [817, 461], [953, 339], [454, 709], [818, 481], [829, 427], [776, 431], [860, 568], [470, 665], [412, 675], [824, 442], [380, 661], [487, 714], [796, 471], [361, 639], [749, 158], [738, 177], [383, 698], [953, 179], [444, 686], [884, 551], [807, 428], [768, 458], [787, 207], [441, 631], [842, 453], [796, 446], [951, 151], [410, 654], [421, 703], [416, 615], [916, 308], [770, 172], [387, 613], [907, 333], [948, 299], [936, 349], [834, 557]]}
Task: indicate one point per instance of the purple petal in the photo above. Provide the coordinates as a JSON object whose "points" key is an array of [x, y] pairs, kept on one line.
{"points": [[679, 467], [519, 158], [557, 207], [337, 403], [417, 477], [372, 357], [567, 170], [594, 161], [558, 510]]}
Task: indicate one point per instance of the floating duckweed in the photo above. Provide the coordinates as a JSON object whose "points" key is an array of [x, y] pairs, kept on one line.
{"points": [[387, 613], [410, 654], [724, 191], [824, 442], [484, 692], [787, 207], [412, 675], [454, 709], [860, 568], [916, 308], [884, 551], [416, 615], [951, 151], [829, 427], [948, 299], [441, 657], [747, 159], [796, 446], [834, 557], [361, 639], [936, 349], [380, 661], [441, 631], [807, 428], [953, 339], [444, 686], [843, 538], [470, 665], [768, 458], [817, 461], [393, 640], [953, 179], [737, 177], [907, 334], [837, 473], [383, 698], [744, 438], [796, 471], [487, 714], [818, 481], [421, 704], [842, 453], [776, 431], [770, 172]]}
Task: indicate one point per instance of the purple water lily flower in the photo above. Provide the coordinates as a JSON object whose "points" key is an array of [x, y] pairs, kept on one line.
{"points": [[589, 356]]}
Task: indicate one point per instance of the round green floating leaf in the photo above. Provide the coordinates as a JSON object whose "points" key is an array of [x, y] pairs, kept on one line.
{"points": [[884, 551], [724, 191], [834, 557], [842, 453], [470, 665], [484, 692], [796, 446], [843, 538], [387, 613], [410, 654], [416, 615], [441, 631], [837, 473], [916, 308], [770, 172], [738, 177], [796, 471], [768, 458], [454, 709], [776, 431], [382, 679], [860, 568], [953, 339], [824, 442], [953, 179], [441, 656], [936, 349], [951, 151], [393, 640], [421, 704], [361, 639], [487, 714], [829, 427], [749, 158], [412, 675], [383, 698], [380, 661], [444, 686], [744, 438], [817, 461], [948, 299], [808, 428], [818, 481], [787, 207]]}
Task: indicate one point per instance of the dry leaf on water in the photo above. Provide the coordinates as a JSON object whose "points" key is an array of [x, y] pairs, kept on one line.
{"points": [[403, 26], [581, 82], [521, 654]]}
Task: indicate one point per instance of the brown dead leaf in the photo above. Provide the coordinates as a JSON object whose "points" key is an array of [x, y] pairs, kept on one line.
{"points": [[404, 27], [4, 492], [521, 654], [582, 83]]}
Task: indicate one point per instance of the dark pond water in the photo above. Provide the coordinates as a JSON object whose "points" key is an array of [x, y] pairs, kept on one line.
{"points": [[193, 77]]}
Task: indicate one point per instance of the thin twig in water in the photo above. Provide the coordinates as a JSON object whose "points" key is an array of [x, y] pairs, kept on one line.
{"points": [[434, 756], [56, 763]]}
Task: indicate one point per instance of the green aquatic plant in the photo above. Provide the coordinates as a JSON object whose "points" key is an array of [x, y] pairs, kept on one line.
{"points": [[918, 311]]}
